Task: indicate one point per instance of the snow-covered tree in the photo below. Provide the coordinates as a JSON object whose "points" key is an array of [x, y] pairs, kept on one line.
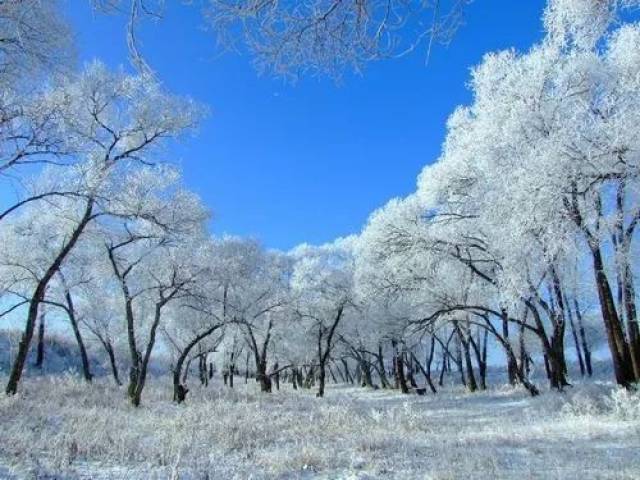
{"points": [[323, 287], [114, 122]]}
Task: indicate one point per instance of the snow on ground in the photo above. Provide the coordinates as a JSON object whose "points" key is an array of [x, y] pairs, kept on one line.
{"points": [[58, 428]]}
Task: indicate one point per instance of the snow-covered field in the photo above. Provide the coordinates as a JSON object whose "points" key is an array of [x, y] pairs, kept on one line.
{"points": [[59, 428]]}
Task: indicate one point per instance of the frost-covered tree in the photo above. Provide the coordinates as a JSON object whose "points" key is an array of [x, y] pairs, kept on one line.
{"points": [[33, 39], [114, 122], [290, 38], [556, 125], [323, 287], [157, 257]]}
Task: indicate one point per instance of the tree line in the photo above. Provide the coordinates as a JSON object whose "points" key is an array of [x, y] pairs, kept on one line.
{"points": [[519, 239]]}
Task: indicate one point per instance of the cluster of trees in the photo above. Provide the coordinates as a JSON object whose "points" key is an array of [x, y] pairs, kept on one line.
{"points": [[528, 219], [519, 239]]}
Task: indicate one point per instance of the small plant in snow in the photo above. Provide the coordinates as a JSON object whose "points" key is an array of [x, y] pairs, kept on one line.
{"points": [[624, 404]]}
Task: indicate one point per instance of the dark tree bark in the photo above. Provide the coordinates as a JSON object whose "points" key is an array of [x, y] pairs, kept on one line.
{"points": [[40, 343], [246, 368], [180, 390], [632, 319], [381, 371], [524, 356], [464, 343], [105, 341], [618, 347], [398, 361], [112, 361], [512, 364], [583, 338], [402, 380], [576, 342], [485, 342], [276, 375], [622, 238], [323, 354], [71, 312], [620, 355], [553, 355], [443, 370], [141, 377], [347, 373], [426, 371], [482, 365], [410, 369], [365, 369]]}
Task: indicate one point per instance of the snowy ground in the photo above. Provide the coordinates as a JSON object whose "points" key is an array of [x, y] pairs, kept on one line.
{"points": [[58, 428]]}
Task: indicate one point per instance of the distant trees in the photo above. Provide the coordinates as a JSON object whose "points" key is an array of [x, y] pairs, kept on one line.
{"points": [[323, 286]]}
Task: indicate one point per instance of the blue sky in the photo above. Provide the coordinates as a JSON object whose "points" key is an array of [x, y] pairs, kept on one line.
{"points": [[306, 162]]}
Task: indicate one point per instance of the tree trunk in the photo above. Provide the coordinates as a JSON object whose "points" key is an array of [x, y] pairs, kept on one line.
{"points": [[471, 378], [321, 379], [482, 367], [524, 356], [263, 377], [383, 376], [576, 342], [112, 361], [410, 372], [40, 344], [246, 368], [333, 375], [458, 361], [276, 375], [443, 369], [432, 351], [426, 372], [629, 296], [557, 340], [512, 364], [583, 339], [134, 353], [86, 371], [323, 356], [142, 376], [402, 381], [347, 373], [618, 347], [365, 368]]}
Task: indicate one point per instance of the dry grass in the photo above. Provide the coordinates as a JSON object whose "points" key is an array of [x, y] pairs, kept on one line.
{"points": [[62, 428]]}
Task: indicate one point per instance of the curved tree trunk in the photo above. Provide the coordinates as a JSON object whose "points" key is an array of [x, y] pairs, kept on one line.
{"points": [[323, 356], [583, 339], [383, 376], [112, 361], [86, 370], [576, 342], [180, 390], [136, 397], [618, 347], [39, 363]]}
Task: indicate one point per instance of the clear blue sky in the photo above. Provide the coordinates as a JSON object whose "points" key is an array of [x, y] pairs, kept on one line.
{"points": [[307, 162]]}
